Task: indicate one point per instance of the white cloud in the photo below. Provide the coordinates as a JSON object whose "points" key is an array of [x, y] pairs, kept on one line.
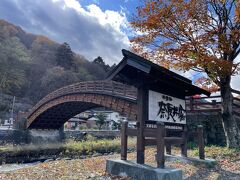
{"points": [[72, 4], [89, 30], [116, 20]]}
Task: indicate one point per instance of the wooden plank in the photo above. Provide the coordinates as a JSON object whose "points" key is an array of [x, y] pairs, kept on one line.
{"points": [[124, 140], [236, 99], [235, 91], [236, 105], [206, 103], [160, 145], [173, 140], [211, 97], [173, 130], [150, 142], [201, 142], [149, 132], [169, 127], [236, 113], [205, 110], [131, 132], [167, 141]]}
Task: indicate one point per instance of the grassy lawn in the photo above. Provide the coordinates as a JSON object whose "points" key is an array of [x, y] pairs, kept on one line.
{"points": [[228, 166]]}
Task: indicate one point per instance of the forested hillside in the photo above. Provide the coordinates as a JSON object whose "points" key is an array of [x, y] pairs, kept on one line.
{"points": [[31, 66]]}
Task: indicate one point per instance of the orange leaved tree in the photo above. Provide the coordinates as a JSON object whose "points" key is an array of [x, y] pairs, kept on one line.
{"points": [[200, 35]]}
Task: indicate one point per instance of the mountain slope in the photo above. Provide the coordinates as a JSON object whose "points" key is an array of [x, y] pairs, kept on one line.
{"points": [[31, 65]]}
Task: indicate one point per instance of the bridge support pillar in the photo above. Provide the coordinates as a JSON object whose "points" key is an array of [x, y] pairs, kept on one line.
{"points": [[61, 133]]}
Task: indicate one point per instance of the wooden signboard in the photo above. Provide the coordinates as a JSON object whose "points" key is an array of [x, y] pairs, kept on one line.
{"points": [[165, 108]]}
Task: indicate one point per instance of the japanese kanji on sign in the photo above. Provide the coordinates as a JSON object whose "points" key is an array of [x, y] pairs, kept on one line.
{"points": [[166, 108]]}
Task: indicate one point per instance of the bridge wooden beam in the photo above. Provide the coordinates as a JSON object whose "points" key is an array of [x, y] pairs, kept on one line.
{"points": [[67, 106]]}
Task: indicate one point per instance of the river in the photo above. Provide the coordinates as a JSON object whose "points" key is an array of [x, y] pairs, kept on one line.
{"points": [[13, 167]]}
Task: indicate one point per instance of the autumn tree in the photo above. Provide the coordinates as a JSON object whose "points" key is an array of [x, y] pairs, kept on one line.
{"points": [[13, 62], [200, 35]]}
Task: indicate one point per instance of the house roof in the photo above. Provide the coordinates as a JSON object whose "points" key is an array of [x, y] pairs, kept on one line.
{"points": [[135, 70]]}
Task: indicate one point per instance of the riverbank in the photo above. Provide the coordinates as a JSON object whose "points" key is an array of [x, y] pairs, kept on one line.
{"points": [[228, 167], [70, 149], [37, 136]]}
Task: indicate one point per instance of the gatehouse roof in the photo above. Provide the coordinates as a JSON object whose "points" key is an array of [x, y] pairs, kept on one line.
{"points": [[138, 71]]}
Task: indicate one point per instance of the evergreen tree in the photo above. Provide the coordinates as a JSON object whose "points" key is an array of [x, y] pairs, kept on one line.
{"points": [[64, 56], [100, 62], [101, 120]]}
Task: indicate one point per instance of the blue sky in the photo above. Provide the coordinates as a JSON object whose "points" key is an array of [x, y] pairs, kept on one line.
{"points": [[115, 5]]}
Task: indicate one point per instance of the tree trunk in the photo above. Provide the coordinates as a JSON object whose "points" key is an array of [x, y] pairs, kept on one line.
{"points": [[231, 129]]}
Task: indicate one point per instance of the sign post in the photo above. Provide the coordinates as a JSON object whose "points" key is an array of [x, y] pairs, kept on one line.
{"points": [[142, 115], [160, 145], [124, 140]]}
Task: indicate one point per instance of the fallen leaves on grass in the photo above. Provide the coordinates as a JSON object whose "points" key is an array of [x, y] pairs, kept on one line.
{"points": [[94, 168]]}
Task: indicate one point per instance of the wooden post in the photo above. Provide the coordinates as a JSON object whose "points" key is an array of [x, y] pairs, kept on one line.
{"points": [[184, 145], [214, 102], [142, 116], [201, 142], [160, 144], [168, 146], [168, 149], [124, 140]]}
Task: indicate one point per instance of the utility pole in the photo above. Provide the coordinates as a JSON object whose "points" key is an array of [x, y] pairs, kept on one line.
{"points": [[12, 110]]}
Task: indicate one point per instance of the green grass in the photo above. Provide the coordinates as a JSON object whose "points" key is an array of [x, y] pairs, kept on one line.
{"points": [[70, 148], [96, 146], [214, 151]]}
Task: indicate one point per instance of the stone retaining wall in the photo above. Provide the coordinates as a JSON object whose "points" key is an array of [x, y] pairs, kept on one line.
{"points": [[13, 136], [48, 136], [213, 129], [78, 135]]}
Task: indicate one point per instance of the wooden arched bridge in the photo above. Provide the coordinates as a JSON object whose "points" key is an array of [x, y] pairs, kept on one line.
{"points": [[61, 105]]}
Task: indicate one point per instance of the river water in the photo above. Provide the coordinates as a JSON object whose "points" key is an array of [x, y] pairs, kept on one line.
{"points": [[13, 167]]}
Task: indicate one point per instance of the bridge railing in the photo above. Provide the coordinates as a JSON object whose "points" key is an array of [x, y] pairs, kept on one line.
{"points": [[206, 104], [102, 87], [211, 104]]}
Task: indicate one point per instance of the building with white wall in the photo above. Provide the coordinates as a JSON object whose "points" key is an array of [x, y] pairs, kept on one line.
{"points": [[88, 120]]}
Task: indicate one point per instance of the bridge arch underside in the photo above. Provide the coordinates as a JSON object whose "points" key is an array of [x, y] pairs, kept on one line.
{"points": [[53, 114]]}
